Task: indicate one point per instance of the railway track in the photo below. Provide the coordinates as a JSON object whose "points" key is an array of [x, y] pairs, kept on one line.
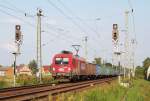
{"points": [[39, 91]]}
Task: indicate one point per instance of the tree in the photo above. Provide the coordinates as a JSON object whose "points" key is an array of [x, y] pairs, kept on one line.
{"points": [[139, 72], [146, 64], [97, 61], [33, 66], [108, 64], [1, 65]]}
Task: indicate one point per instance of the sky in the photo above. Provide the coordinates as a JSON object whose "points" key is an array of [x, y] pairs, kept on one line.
{"points": [[67, 22]]}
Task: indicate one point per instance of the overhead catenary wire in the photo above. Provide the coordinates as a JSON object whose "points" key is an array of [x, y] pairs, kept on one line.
{"points": [[83, 22], [15, 8], [133, 18], [6, 7], [67, 40], [14, 16], [64, 14], [20, 19], [61, 31]]}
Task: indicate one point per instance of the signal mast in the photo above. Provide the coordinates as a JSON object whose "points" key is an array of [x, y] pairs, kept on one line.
{"points": [[18, 42], [116, 52]]}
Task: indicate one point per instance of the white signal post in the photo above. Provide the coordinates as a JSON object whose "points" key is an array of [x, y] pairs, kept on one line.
{"points": [[116, 52], [18, 42]]}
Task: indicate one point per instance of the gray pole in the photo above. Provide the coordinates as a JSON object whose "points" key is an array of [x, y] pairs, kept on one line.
{"points": [[39, 48], [86, 53], [15, 55], [127, 57]]}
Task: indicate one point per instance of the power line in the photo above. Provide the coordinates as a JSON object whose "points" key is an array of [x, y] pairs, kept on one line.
{"points": [[132, 13], [3, 6], [63, 13], [61, 30], [19, 18], [16, 9], [84, 23], [2, 11]]}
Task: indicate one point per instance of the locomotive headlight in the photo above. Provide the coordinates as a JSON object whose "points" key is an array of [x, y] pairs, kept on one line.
{"points": [[53, 69], [69, 69]]}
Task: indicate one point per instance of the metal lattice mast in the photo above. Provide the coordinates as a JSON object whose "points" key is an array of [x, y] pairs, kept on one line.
{"points": [[86, 52], [133, 44], [39, 43], [127, 54]]}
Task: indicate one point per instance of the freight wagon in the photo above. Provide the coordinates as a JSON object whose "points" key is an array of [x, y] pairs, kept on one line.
{"points": [[65, 65]]}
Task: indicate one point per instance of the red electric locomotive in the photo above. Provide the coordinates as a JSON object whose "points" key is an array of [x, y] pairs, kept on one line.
{"points": [[68, 66]]}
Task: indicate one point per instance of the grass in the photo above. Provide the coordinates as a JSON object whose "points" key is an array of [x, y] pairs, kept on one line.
{"points": [[24, 80], [6, 82], [139, 91]]}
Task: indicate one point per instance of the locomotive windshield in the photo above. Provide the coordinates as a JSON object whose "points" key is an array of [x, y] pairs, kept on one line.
{"points": [[62, 61]]}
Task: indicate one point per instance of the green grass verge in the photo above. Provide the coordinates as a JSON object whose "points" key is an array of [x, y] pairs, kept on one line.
{"points": [[139, 91]]}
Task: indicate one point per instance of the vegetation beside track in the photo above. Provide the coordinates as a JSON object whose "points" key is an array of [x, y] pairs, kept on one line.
{"points": [[138, 91], [25, 80]]}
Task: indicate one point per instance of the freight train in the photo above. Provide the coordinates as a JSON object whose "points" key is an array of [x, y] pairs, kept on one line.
{"points": [[65, 65]]}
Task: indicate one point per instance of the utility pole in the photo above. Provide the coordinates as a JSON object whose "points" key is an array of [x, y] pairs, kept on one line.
{"points": [[127, 55], [18, 42], [86, 52], [39, 44], [133, 45]]}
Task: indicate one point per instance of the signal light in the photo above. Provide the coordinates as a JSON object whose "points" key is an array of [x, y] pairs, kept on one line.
{"points": [[18, 27], [115, 36], [115, 32], [115, 27], [18, 33]]}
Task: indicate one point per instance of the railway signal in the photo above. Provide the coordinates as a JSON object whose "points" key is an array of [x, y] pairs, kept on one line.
{"points": [[18, 33], [115, 33], [18, 42]]}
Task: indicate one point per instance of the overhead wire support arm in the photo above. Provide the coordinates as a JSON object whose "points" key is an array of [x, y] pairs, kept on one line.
{"points": [[76, 47]]}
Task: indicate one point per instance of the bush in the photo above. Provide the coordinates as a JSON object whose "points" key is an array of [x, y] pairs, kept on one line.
{"points": [[3, 84], [24, 79], [139, 72], [47, 79]]}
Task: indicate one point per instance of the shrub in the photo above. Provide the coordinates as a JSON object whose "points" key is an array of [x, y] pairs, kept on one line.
{"points": [[24, 79], [47, 79], [139, 73], [3, 84]]}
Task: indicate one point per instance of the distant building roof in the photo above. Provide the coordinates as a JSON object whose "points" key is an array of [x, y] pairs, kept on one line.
{"points": [[46, 67], [5, 68]]}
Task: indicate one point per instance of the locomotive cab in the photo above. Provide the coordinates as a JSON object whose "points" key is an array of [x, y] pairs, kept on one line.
{"points": [[62, 65]]}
